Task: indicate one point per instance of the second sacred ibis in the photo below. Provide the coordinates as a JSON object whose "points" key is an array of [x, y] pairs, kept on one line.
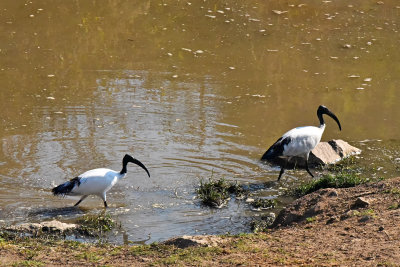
{"points": [[299, 141]]}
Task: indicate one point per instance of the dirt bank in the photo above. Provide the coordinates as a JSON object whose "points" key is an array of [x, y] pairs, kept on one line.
{"points": [[356, 226]]}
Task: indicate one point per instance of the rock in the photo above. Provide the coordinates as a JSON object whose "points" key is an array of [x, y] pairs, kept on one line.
{"points": [[365, 218], [330, 192], [48, 227], [331, 152], [332, 219], [360, 203], [195, 241], [346, 215], [324, 153]]}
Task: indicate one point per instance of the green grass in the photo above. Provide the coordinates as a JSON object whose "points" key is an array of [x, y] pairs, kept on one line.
{"points": [[191, 255], [394, 191], [311, 219], [28, 263], [347, 164], [339, 180], [89, 256], [394, 206]]}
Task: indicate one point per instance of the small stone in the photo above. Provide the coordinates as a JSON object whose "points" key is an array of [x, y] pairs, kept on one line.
{"points": [[360, 203], [330, 192], [365, 218], [333, 193], [332, 220], [346, 215]]}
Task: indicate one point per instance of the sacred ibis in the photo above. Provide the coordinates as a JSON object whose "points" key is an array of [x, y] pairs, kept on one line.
{"points": [[95, 182], [299, 141]]}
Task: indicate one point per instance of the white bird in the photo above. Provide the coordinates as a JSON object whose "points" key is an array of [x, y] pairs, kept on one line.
{"points": [[298, 142], [95, 182]]}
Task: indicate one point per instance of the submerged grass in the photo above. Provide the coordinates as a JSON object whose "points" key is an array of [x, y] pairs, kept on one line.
{"points": [[262, 203], [215, 193], [96, 224]]}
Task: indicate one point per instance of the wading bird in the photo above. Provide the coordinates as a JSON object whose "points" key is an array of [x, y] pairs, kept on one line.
{"points": [[299, 141], [95, 182]]}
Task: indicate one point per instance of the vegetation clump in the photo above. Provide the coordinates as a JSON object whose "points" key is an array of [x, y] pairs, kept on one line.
{"points": [[263, 203], [339, 180], [95, 225], [263, 224], [215, 193]]}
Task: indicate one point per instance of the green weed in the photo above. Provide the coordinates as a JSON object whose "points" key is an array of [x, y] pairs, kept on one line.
{"points": [[262, 203], [28, 263], [96, 225], [340, 180], [215, 193]]}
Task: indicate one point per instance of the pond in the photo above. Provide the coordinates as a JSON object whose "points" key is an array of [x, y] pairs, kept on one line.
{"points": [[193, 90]]}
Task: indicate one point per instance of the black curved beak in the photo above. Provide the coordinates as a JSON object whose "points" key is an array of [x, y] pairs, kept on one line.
{"points": [[333, 116], [137, 162]]}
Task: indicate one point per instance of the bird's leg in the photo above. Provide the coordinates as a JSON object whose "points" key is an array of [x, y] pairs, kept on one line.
{"points": [[285, 165], [104, 198], [308, 170], [281, 172], [80, 200]]}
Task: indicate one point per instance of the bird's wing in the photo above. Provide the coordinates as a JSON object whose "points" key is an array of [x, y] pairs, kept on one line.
{"points": [[276, 150], [96, 181]]}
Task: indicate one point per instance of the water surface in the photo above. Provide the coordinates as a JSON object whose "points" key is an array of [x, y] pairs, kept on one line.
{"points": [[191, 89]]}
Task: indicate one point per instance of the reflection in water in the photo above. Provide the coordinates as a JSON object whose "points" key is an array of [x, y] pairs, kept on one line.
{"points": [[192, 89]]}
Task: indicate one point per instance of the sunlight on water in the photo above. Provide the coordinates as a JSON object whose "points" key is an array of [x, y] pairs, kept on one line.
{"points": [[193, 90]]}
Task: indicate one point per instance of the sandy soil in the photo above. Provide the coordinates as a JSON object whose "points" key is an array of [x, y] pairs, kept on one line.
{"points": [[356, 226]]}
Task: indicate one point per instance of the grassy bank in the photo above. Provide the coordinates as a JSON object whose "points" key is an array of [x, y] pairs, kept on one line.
{"points": [[336, 235]]}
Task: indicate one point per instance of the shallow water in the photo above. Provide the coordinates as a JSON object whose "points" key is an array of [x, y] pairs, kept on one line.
{"points": [[191, 89]]}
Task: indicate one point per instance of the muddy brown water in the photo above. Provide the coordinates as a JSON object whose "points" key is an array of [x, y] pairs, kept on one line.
{"points": [[193, 89]]}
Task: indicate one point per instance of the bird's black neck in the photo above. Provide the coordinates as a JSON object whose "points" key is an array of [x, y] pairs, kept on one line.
{"points": [[321, 119], [124, 163]]}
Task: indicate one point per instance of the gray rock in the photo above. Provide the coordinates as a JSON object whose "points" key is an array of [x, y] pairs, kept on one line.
{"points": [[324, 153], [48, 226], [365, 218], [195, 241], [332, 152]]}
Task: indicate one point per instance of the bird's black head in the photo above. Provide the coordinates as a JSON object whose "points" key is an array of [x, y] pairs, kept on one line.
{"points": [[324, 110], [128, 158]]}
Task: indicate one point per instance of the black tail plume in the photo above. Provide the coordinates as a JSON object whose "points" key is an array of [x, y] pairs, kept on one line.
{"points": [[66, 188], [276, 150]]}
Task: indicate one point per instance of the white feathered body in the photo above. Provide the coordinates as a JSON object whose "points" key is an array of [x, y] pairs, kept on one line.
{"points": [[96, 182], [302, 140]]}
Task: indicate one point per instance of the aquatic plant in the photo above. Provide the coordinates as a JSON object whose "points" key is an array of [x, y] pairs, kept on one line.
{"points": [[215, 193], [94, 225], [263, 203]]}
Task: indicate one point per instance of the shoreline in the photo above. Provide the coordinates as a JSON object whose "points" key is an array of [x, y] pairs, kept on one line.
{"points": [[330, 227]]}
